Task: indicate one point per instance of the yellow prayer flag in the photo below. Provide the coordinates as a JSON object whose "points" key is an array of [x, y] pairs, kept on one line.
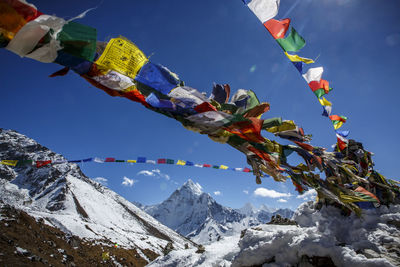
{"points": [[285, 126], [122, 56], [296, 58], [338, 125], [9, 162], [324, 102], [223, 167], [181, 162], [131, 160]]}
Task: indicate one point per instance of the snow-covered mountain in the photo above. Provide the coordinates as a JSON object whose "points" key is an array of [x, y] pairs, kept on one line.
{"points": [[196, 215], [63, 197]]}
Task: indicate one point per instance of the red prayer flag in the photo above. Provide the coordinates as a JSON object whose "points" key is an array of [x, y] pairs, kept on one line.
{"points": [[341, 144], [305, 146], [337, 118], [246, 170], [277, 28], [161, 161], [26, 11], [322, 84], [249, 129], [41, 163], [206, 165], [204, 107], [109, 160]]}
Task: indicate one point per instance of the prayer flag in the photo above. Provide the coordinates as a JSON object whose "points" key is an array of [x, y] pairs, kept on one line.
{"points": [[293, 42], [296, 58], [342, 142], [157, 77], [181, 162], [189, 163], [198, 165], [324, 102], [321, 92], [110, 160], [326, 111], [343, 133], [223, 167], [246, 170], [215, 167], [161, 161], [87, 160], [313, 74], [263, 9], [131, 160], [122, 56], [41, 163], [141, 160], [299, 66], [119, 160], [321, 84], [9, 162], [337, 121], [206, 165], [277, 28], [78, 40], [149, 161], [170, 161], [98, 160]]}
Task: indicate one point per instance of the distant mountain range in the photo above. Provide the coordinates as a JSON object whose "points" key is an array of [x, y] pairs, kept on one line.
{"points": [[62, 197], [196, 215]]}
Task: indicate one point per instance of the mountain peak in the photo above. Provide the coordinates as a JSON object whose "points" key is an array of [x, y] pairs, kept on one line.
{"points": [[193, 187]]}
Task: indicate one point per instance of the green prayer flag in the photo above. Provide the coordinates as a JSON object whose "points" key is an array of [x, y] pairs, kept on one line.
{"points": [[170, 161], [252, 101], [321, 92], [78, 40], [292, 43], [268, 123], [119, 160]]}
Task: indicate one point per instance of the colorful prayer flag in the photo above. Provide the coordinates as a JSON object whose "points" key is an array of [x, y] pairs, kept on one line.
{"points": [[122, 56], [324, 102], [9, 162], [189, 163], [141, 160], [131, 161], [170, 161], [181, 162], [292, 43], [321, 84], [313, 74], [149, 161], [296, 58], [161, 161], [223, 167], [277, 28], [109, 160], [41, 163], [263, 9], [206, 165]]}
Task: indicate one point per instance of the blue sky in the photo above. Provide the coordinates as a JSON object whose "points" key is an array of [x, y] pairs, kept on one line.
{"points": [[356, 41]]}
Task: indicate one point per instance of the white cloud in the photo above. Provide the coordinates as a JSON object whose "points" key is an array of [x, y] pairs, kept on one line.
{"points": [[217, 193], [264, 192], [128, 182], [155, 173], [246, 192], [101, 180], [308, 195], [282, 200]]}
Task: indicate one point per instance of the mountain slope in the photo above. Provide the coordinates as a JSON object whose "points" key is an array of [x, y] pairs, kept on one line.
{"points": [[65, 198], [196, 215]]}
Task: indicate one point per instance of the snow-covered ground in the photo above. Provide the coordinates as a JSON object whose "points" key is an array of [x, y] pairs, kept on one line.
{"points": [[372, 240]]}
